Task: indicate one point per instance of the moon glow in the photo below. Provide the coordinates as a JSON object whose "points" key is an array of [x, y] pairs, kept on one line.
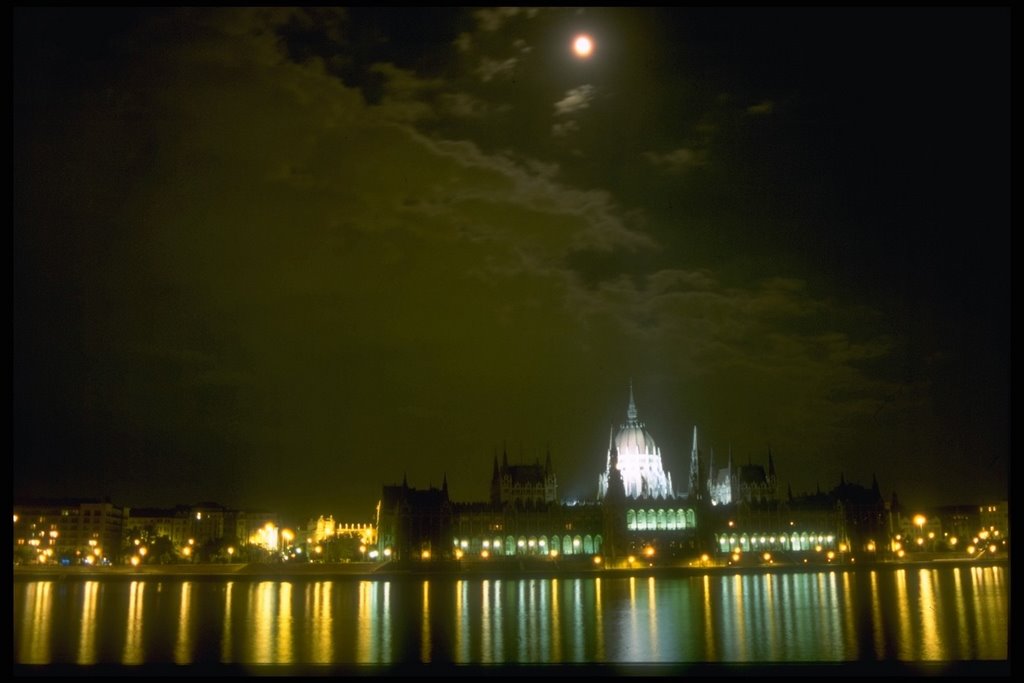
{"points": [[583, 46]]}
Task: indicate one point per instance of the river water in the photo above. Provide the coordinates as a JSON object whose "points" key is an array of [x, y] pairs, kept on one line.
{"points": [[911, 614]]}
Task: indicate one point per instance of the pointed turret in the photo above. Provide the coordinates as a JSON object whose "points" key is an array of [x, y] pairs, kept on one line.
{"points": [[496, 484], [695, 484], [547, 463], [631, 410], [616, 487]]}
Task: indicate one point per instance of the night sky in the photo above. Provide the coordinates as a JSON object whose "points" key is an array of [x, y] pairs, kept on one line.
{"points": [[278, 258]]}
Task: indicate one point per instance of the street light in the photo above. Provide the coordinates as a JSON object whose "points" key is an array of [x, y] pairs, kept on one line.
{"points": [[919, 522]]}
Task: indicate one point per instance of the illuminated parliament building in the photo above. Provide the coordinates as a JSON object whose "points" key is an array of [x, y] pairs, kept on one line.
{"points": [[636, 513]]}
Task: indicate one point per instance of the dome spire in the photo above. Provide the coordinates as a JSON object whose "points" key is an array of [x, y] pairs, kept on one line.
{"points": [[631, 410]]}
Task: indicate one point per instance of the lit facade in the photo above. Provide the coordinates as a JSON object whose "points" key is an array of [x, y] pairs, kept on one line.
{"points": [[639, 460]]}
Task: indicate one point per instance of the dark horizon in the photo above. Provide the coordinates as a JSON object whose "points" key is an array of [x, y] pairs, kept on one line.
{"points": [[277, 258]]}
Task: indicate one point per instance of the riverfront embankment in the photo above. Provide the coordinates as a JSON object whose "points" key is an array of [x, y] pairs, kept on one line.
{"points": [[477, 569]]}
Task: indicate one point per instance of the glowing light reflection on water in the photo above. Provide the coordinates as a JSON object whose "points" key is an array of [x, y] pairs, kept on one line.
{"points": [[835, 615]]}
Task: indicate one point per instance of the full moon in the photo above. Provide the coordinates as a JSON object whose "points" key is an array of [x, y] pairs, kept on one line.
{"points": [[583, 46]]}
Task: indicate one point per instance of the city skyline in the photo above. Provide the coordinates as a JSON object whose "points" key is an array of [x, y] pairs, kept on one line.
{"points": [[278, 257]]}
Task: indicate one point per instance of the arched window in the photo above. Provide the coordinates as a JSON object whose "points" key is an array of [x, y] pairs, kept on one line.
{"points": [[577, 545], [510, 545], [723, 543], [795, 540], [598, 543], [641, 520], [566, 545], [680, 519], [661, 520], [631, 520], [652, 520], [556, 544], [690, 519], [521, 545], [744, 543], [588, 545]]}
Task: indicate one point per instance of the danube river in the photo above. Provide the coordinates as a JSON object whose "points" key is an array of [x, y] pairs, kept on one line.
{"points": [[883, 614]]}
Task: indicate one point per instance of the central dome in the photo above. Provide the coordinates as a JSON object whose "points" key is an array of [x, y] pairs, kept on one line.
{"points": [[638, 460], [634, 438]]}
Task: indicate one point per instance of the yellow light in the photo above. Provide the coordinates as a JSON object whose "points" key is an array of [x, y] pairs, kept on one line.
{"points": [[191, 541], [54, 534], [732, 523], [143, 550], [583, 46], [458, 553], [970, 550], [319, 549], [767, 557], [92, 542], [983, 535], [919, 520], [425, 555], [931, 535], [920, 541], [992, 548], [817, 548], [704, 557], [631, 559], [553, 553], [231, 550], [952, 540], [485, 554], [597, 558], [871, 546], [186, 551], [96, 552], [387, 552], [830, 555], [735, 557], [135, 560], [87, 559], [649, 551], [15, 518], [900, 554], [843, 547]]}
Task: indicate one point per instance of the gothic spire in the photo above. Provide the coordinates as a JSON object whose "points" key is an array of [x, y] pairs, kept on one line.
{"points": [[631, 410]]}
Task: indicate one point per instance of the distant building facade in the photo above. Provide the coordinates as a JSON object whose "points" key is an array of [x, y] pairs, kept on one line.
{"points": [[68, 530]]}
